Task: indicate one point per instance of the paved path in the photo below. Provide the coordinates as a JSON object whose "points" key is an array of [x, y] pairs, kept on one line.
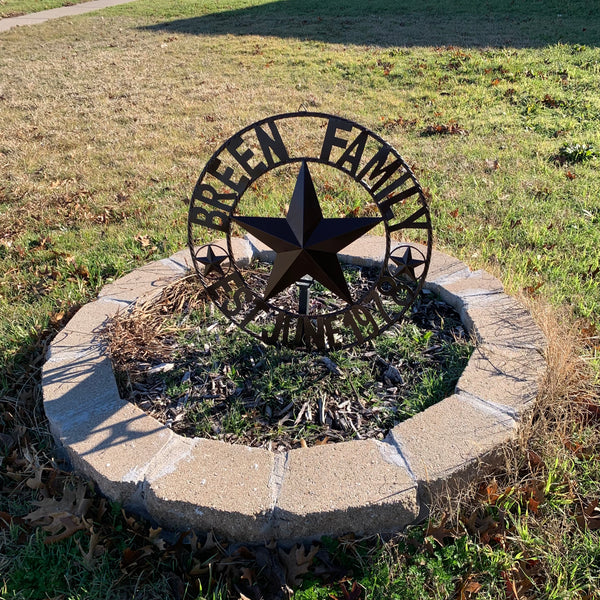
{"points": [[57, 13]]}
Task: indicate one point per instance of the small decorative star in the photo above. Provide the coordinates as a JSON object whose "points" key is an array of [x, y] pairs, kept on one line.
{"points": [[306, 243], [212, 262], [407, 264]]}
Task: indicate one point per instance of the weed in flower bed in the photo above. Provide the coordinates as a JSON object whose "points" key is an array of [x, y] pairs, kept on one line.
{"points": [[183, 362]]}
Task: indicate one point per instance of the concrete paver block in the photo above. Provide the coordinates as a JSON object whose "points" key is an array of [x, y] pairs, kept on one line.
{"points": [[180, 261], [338, 488], [505, 377], [446, 444], [367, 251], [260, 251], [444, 267], [470, 290], [84, 332], [106, 438], [216, 486], [143, 281], [504, 322]]}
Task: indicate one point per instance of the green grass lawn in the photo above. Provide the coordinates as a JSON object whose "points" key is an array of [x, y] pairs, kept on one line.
{"points": [[107, 121], [14, 8]]}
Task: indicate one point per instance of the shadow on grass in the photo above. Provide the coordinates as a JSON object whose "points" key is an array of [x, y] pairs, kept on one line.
{"points": [[502, 23]]}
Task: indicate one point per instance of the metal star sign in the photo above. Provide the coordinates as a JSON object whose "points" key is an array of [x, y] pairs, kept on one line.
{"points": [[349, 304], [305, 242]]}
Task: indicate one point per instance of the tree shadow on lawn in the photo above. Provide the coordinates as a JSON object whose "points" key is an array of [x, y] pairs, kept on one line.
{"points": [[498, 23]]}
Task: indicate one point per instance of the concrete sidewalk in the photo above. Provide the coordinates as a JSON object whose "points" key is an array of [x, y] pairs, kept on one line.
{"points": [[57, 13]]}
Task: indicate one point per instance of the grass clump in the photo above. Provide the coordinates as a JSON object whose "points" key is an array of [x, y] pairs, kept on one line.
{"points": [[576, 153]]}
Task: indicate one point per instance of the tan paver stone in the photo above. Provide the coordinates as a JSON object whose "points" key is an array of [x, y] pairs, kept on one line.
{"points": [[467, 290], [260, 251], [334, 489], [106, 438], [217, 486], [450, 442], [150, 278], [79, 392], [180, 261], [367, 251], [83, 333], [504, 322], [444, 267], [505, 377]]}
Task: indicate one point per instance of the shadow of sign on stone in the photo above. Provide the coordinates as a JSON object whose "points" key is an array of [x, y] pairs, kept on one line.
{"points": [[365, 486]]}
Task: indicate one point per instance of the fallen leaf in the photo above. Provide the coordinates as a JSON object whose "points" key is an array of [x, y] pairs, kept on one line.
{"points": [[95, 550], [82, 271], [531, 290], [73, 502], [296, 563], [6, 520], [589, 518], [440, 533], [469, 588], [143, 240], [62, 527], [130, 556], [248, 575], [354, 594]]}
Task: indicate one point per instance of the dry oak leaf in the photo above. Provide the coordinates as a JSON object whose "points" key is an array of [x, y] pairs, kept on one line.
{"points": [[469, 588], [61, 518], [94, 551], [590, 516], [440, 533], [62, 527], [131, 557], [353, 594], [73, 502], [297, 563]]}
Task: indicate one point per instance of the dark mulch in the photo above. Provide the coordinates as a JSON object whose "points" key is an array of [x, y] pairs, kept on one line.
{"points": [[182, 362]]}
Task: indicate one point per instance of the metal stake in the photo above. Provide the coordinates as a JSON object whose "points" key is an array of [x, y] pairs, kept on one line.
{"points": [[304, 284]]}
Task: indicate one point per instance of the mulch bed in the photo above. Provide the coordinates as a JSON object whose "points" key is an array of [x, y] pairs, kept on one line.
{"points": [[183, 363]]}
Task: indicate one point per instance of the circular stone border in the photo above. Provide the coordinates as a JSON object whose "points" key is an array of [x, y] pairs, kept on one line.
{"points": [[251, 494]]}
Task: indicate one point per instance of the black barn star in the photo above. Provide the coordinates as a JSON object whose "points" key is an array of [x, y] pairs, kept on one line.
{"points": [[305, 242], [407, 264], [212, 262]]}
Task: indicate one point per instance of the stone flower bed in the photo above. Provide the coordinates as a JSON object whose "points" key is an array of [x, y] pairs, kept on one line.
{"points": [[253, 494]]}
